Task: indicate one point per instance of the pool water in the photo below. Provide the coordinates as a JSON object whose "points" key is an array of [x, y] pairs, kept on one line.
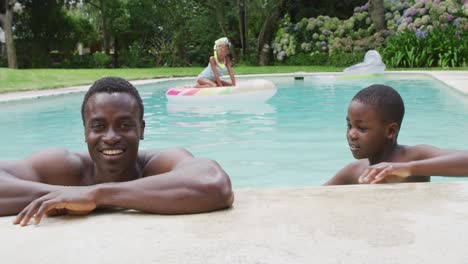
{"points": [[297, 138]]}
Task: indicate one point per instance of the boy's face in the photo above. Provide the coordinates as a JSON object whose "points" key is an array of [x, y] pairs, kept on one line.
{"points": [[366, 133]]}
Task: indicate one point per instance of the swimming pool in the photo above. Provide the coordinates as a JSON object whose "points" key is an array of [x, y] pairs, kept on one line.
{"points": [[297, 138]]}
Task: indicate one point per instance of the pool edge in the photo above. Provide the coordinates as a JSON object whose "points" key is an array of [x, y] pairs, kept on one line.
{"points": [[457, 80]]}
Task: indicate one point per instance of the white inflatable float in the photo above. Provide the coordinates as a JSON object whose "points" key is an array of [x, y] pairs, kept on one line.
{"points": [[258, 90], [371, 65]]}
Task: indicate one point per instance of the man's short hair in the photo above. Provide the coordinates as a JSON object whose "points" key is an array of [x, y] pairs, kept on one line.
{"points": [[386, 100], [113, 85]]}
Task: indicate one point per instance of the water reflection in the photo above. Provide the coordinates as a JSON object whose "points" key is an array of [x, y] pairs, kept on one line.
{"points": [[202, 109]]}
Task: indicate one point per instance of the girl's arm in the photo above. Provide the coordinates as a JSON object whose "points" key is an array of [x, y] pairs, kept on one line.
{"points": [[215, 71], [231, 73]]}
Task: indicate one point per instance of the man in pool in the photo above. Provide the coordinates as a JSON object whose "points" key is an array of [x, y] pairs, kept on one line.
{"points": [[114, 172], [374, 120]]}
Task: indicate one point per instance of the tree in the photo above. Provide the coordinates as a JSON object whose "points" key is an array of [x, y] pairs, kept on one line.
{"points": [[219, 9], [6, 22], [275, 9], [377, 14], [46, 33], [223, 11], [242, 27], [101, 6], [111, 18]]}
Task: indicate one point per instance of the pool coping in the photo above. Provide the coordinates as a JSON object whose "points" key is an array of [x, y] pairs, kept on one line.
{"points": [[457, 80], [388, 223]]}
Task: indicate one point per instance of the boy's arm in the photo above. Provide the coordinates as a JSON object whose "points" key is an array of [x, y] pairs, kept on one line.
{"points": [[231, 73], [427, 161], [185, 185], [347, 175]]}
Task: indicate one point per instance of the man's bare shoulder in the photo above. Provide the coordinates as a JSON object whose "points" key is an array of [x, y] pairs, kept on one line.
{"points": [[349, 174], [59, 166], [156, 162], [50, 165]]}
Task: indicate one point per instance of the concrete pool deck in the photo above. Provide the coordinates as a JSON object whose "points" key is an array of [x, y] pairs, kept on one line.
{"points": [[391, 223]]}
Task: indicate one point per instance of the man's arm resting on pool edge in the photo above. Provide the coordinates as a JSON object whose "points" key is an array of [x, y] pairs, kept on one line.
{"points": [[192, 185], [16, 193], [181, 184], [23, 181]]}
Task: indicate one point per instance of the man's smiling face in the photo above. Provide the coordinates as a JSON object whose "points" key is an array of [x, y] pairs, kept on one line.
{"points": [[113, 129]]}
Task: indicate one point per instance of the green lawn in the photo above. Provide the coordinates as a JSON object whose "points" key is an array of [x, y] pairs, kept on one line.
{"points": [[34, 79]]}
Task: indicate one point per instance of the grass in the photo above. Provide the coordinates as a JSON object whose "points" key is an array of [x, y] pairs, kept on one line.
{"points": [[36, 79]]}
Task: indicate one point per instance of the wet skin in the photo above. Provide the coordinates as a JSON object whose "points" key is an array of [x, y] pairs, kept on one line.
{"points": [[367, 134], [381, 160], [114, 173], [113, 130], [222, 51]]}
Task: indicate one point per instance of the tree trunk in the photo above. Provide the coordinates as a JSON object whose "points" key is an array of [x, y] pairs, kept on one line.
{"points": [[266, 34], [218, 10], [115, 56], [242, 27], [7, 23], [220, 18], [105, 30], [377, 14]]}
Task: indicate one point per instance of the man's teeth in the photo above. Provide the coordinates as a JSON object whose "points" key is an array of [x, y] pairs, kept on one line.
{"points": [[112, 151]]}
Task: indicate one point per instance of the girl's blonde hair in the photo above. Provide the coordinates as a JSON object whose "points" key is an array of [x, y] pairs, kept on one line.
{"points": [[222, 41]]}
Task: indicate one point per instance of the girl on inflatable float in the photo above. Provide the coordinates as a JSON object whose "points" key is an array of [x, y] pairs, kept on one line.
{"points": [[218, 64]]}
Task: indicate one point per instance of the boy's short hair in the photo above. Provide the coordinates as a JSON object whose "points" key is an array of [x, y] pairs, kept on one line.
{"points": [[113, 85], [386, 100]]}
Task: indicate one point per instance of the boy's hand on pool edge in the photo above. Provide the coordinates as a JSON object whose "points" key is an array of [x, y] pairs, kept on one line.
{"points": [[385, 172], [66, 200]]}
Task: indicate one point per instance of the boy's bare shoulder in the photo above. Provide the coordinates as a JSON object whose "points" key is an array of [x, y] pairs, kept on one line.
{"points": [[349, 174], [422, 151]]}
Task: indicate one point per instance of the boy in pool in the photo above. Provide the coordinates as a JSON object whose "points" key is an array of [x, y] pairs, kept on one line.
{"points": [[217, 66], [374, 119]]}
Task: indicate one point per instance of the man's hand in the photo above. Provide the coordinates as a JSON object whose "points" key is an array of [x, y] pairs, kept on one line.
{"points": [[66, 200], [386, 172]]}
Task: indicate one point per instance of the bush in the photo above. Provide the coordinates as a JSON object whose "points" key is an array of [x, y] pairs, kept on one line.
{"points": [[131, 56], [344, 59], [101, 60], [319, 58], [438, 48], [308, 59], [3, 62], [428, 33], [79, 62]]}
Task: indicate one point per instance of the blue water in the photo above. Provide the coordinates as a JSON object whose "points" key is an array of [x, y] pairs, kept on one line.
{"points": [[297, 138]]}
